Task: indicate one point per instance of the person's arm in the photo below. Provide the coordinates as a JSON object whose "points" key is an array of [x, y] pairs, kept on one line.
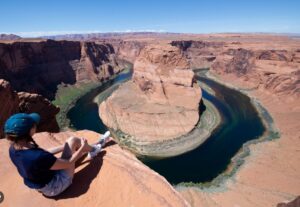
{"points": [[55, 150], [61, 163]]}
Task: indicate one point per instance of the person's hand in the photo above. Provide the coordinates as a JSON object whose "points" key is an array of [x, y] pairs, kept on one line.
{"points": [[85, 147]]}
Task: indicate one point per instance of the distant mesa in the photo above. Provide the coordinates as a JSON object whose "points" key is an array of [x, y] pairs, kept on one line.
{"points": [[9, 37]]}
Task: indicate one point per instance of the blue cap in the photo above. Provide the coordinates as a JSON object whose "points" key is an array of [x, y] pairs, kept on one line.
{"points": [[21, 123]]}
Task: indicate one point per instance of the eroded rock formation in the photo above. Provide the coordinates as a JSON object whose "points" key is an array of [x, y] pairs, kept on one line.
{"points": [[114, 178], [128, 50], [162, 100], [12, 102], [200, 54], [39, 66], [276, 71]]}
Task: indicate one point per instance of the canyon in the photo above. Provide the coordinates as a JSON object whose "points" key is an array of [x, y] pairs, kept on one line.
{"points": [[266, 67], [40, 66]]}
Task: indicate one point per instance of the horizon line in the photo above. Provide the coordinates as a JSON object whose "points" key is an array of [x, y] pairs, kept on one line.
{"points": [[42, 34]]}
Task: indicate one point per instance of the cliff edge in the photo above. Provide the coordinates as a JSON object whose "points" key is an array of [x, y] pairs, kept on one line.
{"points": [[114, 178]]}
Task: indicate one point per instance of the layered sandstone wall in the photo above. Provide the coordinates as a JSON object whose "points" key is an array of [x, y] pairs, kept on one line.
{"points": [[38, 67], [200, 54], [128, 50], [260, 65], [276, 71]]}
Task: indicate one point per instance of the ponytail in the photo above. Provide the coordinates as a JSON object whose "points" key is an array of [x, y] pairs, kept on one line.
{"points": [[30, 139]]}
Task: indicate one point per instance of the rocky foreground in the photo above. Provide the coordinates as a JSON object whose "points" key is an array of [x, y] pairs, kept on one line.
{"points": [[114, 178], [161, 102]]}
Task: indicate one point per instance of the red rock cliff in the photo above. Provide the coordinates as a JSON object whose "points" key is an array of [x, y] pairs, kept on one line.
{"points": [[38, 67]]}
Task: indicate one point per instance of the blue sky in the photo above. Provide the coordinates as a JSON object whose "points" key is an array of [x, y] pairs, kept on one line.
{"points": [[33, 18]]}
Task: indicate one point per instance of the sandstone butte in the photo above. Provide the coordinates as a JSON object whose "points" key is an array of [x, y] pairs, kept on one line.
{"points": [[114, 178], [161, 101]]}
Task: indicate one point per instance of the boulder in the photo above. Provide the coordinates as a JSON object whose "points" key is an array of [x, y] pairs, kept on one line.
{"points": [[12, 102]]}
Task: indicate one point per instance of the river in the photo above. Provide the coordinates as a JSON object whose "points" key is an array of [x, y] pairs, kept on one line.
{"points": [[240, 123]]}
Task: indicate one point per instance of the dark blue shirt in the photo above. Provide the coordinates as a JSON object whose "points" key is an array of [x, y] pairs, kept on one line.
{"points": [[33, 165]]}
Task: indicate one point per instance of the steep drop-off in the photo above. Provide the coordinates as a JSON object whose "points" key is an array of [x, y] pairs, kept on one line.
{"points": [[114, 178], [40, 66], [128, 50]]}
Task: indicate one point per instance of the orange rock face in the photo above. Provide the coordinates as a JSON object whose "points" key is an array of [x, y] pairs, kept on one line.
{"points": [[40, 66], [127, 50], [162, 100], [276, 71], [114, 178]]}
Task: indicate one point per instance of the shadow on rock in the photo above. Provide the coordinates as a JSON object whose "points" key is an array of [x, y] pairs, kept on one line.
{"points": [[83, 178]]}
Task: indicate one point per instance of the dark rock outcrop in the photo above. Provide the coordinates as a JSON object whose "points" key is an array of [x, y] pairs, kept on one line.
{"points": [[9, 102], [30, 103], [13, 102]]}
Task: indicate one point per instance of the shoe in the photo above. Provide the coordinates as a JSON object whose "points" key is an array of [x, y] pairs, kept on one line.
{"points": [[104, 138], [96, 149]]}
